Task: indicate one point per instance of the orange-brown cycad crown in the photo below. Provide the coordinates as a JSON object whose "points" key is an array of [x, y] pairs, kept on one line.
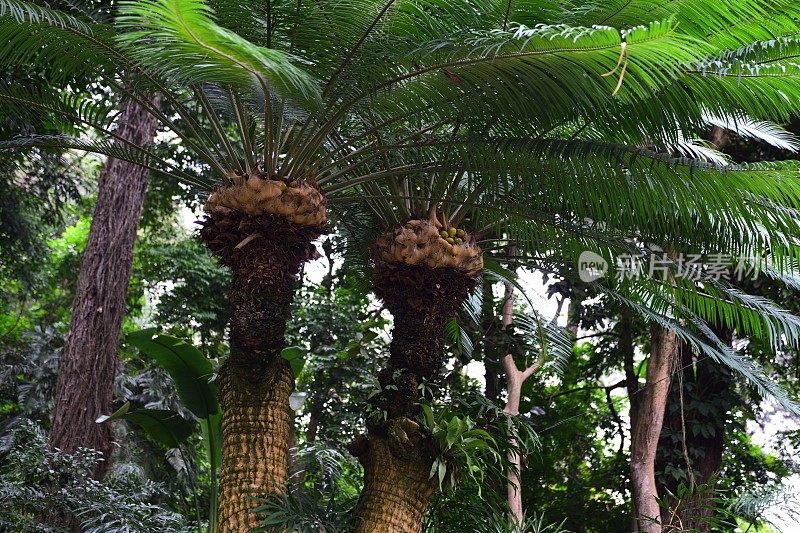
{"points": [[300, 202]]}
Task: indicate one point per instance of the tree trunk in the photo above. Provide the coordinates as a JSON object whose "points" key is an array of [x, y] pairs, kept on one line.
{"points": [[255, 440], [397, 484], [397, 487], [514, 381], [88, 363], [255, 381], [627, 349], [515, 378], [703, 383], [574, 315], [646, 429], [483, 351], [631, 378]]}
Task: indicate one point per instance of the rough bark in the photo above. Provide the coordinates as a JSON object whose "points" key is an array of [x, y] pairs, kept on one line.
{"points": [[88, 365], [397, 485], [255, 382], [422, 300], [702, 382], [255, 432], [646, 429]]}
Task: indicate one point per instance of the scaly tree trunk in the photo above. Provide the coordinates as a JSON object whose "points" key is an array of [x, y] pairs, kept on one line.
{"points": [[397, 484], [88, 365], [265, 253], [422, 297], [646, 428]]}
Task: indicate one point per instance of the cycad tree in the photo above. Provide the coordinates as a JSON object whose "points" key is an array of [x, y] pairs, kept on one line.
{"points": [[289, 107]]}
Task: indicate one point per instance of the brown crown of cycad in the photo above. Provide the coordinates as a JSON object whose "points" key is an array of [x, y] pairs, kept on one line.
{"points": [[300, 202], [431, 244]]}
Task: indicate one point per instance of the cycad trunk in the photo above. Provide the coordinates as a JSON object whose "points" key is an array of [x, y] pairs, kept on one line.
{"points": [[255, 428], [646, 429], [397, 485], [255, 382], [88, 363], [397, 488], [422, 298]]}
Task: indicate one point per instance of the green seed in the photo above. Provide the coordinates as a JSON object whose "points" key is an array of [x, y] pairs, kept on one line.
{"points": [[451, 232], [458, 240], [451, 240], [284, 186], [409, 226], [444, 234], [461, 233]]}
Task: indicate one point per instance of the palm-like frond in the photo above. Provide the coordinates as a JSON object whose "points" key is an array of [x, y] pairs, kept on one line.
{"points": [[707, 344], [723, 24], [179, 40], [764, 131], [503, 116]]}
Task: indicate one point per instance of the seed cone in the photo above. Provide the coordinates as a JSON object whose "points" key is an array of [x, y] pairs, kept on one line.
{"points": [[302, 204], [421, 243]]}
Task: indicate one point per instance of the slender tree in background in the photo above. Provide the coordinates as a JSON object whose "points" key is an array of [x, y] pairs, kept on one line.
{"points": [[515, 379], [646, 428], [406, 108], [692, 443], [88, 364]]}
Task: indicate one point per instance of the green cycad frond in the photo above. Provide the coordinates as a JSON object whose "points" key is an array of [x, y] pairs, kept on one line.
{"points": [[720, 22], [24, 12], [764, 131], [179, 40], [717, 302], [62, 45], [505, 76], [79, 108], [636, 192], [125, 151], [703, 341]]}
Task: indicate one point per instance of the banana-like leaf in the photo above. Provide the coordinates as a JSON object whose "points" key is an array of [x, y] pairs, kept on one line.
{"points": [[296, 357], [163, 426], [189, 369]]}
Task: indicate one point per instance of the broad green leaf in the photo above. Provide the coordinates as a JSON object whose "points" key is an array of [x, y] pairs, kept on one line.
{"points": [[428, 414], [115, 415], [189, 369], [163, 426], [296, 357], [212, 438]]}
